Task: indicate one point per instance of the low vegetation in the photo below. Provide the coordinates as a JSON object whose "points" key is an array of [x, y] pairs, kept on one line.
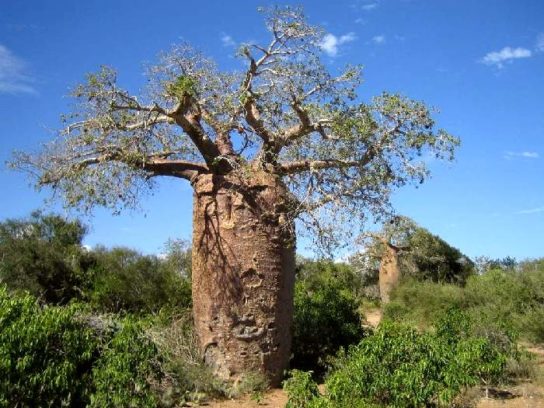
{"points": [[112, 327], [399, 366], [506, 299]]}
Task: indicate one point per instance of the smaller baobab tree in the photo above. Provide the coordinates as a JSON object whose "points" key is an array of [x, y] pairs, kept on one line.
{"points": [[279, 142], [386, 246], [404, 249]]}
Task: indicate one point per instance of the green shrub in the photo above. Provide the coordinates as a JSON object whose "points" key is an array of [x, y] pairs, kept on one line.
{"points": [[122, 375], [189, 378], [127, 281], [399, 366], [498, 301], [326, 318], [42, 254], [301, 389], [53, 356], [420, 302], [45, 354], [509, 300]]}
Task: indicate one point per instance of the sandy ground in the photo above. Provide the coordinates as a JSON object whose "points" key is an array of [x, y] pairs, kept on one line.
{"points": [[522, 396]]}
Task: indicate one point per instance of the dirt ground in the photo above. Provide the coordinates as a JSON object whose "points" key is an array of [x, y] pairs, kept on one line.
{"points": [[522, 396]]}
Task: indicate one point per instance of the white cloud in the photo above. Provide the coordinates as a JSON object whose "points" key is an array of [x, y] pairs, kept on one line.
{"points": [[527, 155], [369, 6], [13, 79], [540, 42], [330, 43], [507, 54], [228, 41], [379, 39], [531, 211]]}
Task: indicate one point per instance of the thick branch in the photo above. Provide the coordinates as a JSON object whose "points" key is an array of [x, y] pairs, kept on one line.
{"points": [[307, 165], [184, 117], [154, 164], [175, 168]]}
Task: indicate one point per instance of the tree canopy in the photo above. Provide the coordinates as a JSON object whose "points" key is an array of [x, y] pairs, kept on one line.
{"points": [[282, 112], [422, 255]]}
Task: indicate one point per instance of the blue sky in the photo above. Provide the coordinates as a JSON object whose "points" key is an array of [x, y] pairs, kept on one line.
{"points": [[481, 63]]}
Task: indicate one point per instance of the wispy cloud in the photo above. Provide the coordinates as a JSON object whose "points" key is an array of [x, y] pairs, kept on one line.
{"points": [[506, 55], [228, 41], [526, 155], [365, 5], [330, 43], [13, 77], [369, 6], [379, 39], [531, 211], [539, 46]]}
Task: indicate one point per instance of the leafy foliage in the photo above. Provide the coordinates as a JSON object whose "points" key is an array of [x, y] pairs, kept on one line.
{"points": [[421, 302], [124, 280], [398, 366], [432, 258], [45, 354], [499, 300], [284, 114], [42, 254], [56, 356], [122, 374], [301, 389], [326, 316]]}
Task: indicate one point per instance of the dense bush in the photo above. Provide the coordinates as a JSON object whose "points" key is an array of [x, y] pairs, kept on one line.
{"points": [[43, 255], [54, 356], [499, 300], [124, 280], [398, 366], [420, 302], [123, 373], [45, 354], [429, 257], [326, 318], [316, 273]]}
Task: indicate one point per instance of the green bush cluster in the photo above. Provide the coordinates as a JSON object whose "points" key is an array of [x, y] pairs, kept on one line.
{"points": [[399, 366], [45, 354], [499, 300], [51, 356], [124, 280], [43, 255], [123, 373], [326, 315]]}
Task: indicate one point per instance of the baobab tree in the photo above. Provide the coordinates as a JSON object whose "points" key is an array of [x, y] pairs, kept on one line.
{"points": [[404, 249], [385, 247], [279, 142]]}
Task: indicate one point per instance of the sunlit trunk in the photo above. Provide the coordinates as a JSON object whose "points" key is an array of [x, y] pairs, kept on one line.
{"points": [[243, 275], [389, 272]]}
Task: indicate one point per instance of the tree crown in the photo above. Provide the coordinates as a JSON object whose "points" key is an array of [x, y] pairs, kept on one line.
{"points": [[284, 113]]}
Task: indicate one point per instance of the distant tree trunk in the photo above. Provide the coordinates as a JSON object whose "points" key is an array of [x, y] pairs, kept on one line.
{"points": [[243, 274], [389, 271]]}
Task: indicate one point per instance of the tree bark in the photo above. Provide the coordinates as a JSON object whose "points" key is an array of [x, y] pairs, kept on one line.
{"points": [[243, 274], [389, 273]]}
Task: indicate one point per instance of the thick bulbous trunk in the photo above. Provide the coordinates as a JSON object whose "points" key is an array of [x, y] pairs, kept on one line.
{"points": [[243, 274], [389, 274]]}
